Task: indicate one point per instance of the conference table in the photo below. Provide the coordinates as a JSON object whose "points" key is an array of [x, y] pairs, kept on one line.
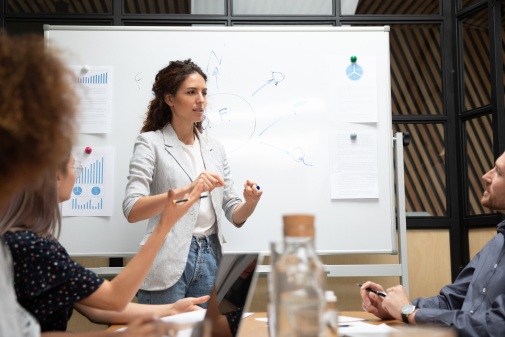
{"points": [[250, 327]]}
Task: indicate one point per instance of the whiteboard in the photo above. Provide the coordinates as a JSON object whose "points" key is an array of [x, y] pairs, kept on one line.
{"points": [[290, 117]]}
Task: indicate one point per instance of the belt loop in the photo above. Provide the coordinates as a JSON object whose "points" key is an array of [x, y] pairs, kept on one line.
{"points": [[208, 243]]}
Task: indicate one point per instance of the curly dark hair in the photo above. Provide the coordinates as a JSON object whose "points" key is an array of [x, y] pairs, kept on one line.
{"points": [[168, 81], [37, 107]]}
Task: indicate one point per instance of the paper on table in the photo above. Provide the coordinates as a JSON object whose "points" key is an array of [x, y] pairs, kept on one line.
{"points": [[353, 165], [354, 89], [247, 314], [189, 317], [262, 319], [357, 328], [94, 89], [185, 318], [92, 194], [341, 319], [345, 319]]}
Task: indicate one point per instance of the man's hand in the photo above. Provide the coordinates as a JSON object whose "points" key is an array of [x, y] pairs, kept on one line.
{"points": [[396, 299], [188, 304], [373, 303]]}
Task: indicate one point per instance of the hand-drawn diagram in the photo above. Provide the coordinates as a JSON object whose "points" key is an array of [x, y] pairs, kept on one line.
{"points": [[354, 72], [138, 78], [276, 78], [231, 119], [215, 67], [298, 154], [223, 113], [297, 105]]}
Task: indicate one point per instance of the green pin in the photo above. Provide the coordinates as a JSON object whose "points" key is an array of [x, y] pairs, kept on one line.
{"points": [[353, 59]]}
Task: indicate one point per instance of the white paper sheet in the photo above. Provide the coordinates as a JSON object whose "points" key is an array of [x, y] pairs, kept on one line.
{"points": [[94, 89], [262, 319], [185, 318], [357, 328], [189, 317], [92, 194], [353, 89], [341, 319], [353, 165], [345, 319]]}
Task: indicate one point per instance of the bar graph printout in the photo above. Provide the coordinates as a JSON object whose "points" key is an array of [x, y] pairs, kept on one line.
{"points": [[94, 89], [92, 194]]}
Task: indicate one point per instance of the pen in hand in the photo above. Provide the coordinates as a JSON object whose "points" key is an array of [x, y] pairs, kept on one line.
{"points": [[380, 293], [184, 200]]}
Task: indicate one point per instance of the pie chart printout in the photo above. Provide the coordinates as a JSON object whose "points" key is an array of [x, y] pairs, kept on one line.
{"points": [[354, 72]]}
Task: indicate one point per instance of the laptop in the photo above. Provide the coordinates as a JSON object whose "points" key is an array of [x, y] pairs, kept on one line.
{"points": [[234, 287]]}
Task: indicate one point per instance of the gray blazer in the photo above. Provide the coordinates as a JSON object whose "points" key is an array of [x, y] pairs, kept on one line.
{"points": [[159, 164]]}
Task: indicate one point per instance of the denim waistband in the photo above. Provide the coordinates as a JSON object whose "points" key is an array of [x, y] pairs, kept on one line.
{"points": [[211, 239]]}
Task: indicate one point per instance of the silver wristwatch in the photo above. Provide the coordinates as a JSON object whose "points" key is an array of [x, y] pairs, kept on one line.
{"points": [[406, 311]]}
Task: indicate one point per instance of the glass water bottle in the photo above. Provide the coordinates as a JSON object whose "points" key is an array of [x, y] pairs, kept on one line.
{"points": [[301, 281]]}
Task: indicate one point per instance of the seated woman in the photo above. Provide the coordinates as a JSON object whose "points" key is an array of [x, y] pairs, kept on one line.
{"points": [[49, 284]]}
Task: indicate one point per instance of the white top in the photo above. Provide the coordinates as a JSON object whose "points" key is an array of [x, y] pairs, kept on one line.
{"points": [[14, 319], [206, 217]]}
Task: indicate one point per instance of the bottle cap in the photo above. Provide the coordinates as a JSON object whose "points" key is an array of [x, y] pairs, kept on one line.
{"points": [[330, 296], [299, 225]]}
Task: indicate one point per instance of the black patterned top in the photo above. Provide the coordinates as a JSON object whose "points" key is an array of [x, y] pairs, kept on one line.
{"points": [[234, 318], [46, 280]]}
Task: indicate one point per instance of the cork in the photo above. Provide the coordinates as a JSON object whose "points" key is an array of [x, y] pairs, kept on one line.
{"points": [[299, 225]]}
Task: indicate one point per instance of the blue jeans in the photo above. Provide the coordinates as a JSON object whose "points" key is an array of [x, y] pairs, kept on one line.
{"points": [[196, 280]]}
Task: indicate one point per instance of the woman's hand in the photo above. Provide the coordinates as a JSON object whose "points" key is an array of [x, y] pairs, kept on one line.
{"points": [[188, 304], [173, 212], [210, 181], [146, 326], [251, 192]]}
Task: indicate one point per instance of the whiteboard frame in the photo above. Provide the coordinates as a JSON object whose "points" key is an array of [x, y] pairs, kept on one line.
{"points": [[385, 29]]}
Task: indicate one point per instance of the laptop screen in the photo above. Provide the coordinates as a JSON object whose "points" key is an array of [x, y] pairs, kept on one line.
{"points": [[233, 291]]}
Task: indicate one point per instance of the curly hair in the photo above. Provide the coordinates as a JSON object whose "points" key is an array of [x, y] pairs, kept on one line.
{"points": [[37, 107], [168, 81]]}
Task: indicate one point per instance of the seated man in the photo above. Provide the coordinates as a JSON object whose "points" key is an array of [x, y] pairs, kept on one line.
{"points": [[475, 303]]}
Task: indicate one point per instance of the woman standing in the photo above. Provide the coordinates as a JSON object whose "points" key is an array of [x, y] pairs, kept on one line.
{"points": [[173, 153]]}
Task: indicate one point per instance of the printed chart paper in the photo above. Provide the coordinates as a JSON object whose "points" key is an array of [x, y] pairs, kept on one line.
{"points": [[94, 89], [353, 165], [354, 90], [92, 192]]}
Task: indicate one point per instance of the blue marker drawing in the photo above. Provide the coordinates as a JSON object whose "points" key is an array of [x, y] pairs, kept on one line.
{"points": [[215, 73], [298, 104], [216, 69], [257, 187], [268, 82], [298, 154], [275, 147], [138, 79], [217, 59], [294, 107], [276, 78], [223, 113]]}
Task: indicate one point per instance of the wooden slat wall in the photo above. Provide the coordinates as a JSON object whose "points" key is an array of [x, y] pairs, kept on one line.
{"points": [[397, 7], [59, 6]]}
